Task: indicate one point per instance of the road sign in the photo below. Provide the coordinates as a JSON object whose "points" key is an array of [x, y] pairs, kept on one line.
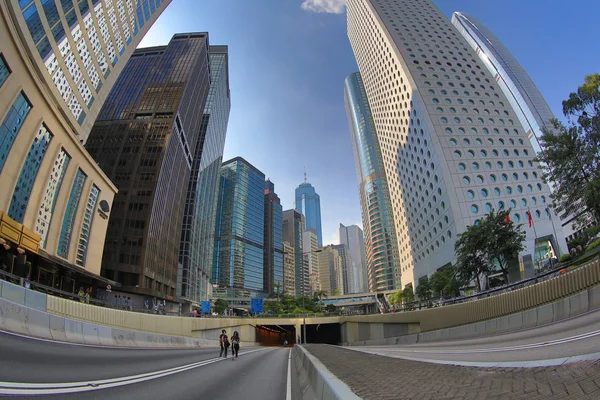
{"points": [[256, 305], [206, 307]]}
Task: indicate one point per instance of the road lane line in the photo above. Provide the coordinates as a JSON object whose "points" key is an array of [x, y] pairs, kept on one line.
{"points": [[14, 388], [288, 395]]}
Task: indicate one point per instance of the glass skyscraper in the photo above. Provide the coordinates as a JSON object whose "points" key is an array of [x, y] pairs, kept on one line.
{"points": [[238, 266], [145, 140], [197, 236], [308, 203], [380, 240], [353, 237], [274, 250], [293, 228]]}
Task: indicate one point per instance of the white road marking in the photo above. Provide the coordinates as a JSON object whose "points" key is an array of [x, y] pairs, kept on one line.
{"points": [[495, 349], [288, 395], [14, 388]]}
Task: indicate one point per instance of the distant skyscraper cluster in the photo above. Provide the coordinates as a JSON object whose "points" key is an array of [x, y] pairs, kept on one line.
{"points": [[439, 141]]}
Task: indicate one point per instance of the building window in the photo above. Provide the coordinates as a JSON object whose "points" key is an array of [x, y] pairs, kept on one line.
{"points": [[29, 172], [86, 226], [4, 70], [51, 195], [66, 230], [11, 125]]}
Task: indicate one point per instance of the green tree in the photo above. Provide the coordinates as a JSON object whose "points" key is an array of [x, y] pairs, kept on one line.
{"points": [[423, 291], [444, 283], [570, 154], [407, 293], [320, 295], [471, 261], [221, 306], [396, 298]]}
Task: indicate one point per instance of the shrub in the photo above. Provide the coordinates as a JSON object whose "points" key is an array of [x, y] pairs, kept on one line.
{"points": [[565, 258], [593, 245]]}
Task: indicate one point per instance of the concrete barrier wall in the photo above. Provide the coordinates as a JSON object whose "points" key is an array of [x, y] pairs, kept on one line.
{"points": [[17, 318], [568, 307], [316, 381]]}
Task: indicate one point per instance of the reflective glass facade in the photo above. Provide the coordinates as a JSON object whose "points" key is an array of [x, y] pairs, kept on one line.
{"points": [[12, 125], [66, 231], [197, 237], [239, 233], [51, 195], [4, 70], [308, 203], [273, 274], [145, 139], [29, 172], [86, 226], [381, 244]]}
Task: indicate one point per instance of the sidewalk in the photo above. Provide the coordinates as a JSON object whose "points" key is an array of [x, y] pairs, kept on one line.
{"points": [[384, 378]]}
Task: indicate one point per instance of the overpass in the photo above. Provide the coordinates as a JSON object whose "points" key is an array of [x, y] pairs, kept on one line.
{"points": [[562, 297]]}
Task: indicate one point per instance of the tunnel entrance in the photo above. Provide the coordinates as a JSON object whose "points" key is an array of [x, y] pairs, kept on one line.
{"points": [[323, 333], [276, 335]]}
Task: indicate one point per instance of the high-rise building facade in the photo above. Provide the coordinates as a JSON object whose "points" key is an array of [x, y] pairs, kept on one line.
{"points": [[518, 87], [310, 248], [145, 139], [293, 227], [238, 266], [308, 203], [349, 270], [352, 237], [289, 269], [58, 61], [274, 252], [453, 148], [381, 242], [197, 236], [330, 271]]}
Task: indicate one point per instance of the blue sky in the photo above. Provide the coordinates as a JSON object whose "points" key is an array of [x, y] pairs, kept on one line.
{"points": [[289, 58]]}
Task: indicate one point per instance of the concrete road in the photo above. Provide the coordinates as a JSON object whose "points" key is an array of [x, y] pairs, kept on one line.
{"points": [[31, 368], [567, 341]]}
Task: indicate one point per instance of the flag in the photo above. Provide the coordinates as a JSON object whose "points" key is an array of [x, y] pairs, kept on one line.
{"points": [[507, 220], [529, 218]]}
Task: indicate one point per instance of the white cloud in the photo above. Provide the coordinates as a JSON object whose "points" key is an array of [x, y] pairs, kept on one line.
{"points": [[324, 6]]}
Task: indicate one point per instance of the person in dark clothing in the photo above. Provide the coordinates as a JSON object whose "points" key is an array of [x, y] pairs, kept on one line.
{"points": [[224, 342], [235, 341]]}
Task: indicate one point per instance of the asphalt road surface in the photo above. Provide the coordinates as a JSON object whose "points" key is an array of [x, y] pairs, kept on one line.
{"points": [[32, 368], [575, 338]]}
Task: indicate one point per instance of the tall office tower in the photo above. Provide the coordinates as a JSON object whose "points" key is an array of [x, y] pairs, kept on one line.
{"points": [[273, 271], [382, 259], [349, 278], [453, 148], [58, 61], [310, 248], [197, 236], [352, 236], [293, 226], [308, 203], [238, 266], [526, 100], [289, 269], [330, 271], [145, 139]]}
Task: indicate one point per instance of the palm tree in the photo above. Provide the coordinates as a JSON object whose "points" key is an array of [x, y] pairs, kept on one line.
{"points": [[319, 295]]}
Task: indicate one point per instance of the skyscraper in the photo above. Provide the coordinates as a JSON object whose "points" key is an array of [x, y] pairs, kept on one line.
{"points": [[330, 271], [380, 239], [308, 203], [453, 148], [273, 274], [238, 266], [197, 236], [289, 269], [293, 227], [352, 236], [349, 271], [145, 139], [310, 249], [58, 62]]}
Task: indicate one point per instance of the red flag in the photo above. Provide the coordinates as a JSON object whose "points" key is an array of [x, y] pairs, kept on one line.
{"points": [[530, 218], [507, 220]]}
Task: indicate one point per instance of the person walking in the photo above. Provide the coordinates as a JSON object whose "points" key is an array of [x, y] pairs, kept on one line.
{"points": [[224, 342], [235, 341]]}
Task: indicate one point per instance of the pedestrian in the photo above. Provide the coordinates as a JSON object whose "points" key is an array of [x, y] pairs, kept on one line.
{"points": [[224, 342], [88, 294], [235, 341], [27, 282], [81, 295]]}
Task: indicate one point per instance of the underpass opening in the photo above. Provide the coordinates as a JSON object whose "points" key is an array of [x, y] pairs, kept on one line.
{"points": [[275, 335], [323, 333]]}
